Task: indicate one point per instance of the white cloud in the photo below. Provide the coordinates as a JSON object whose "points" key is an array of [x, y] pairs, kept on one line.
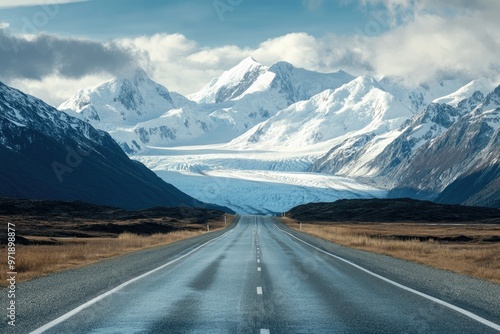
{"points": [[434, 40], [184, 66], [55, 89], [437, 38], [4, 25]]}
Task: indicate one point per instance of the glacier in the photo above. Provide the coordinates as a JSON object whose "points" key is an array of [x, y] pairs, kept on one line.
{"points": [[251, 181]]}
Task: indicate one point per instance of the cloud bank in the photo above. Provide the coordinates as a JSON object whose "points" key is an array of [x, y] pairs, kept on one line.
{"points": [[37, 57], [412, 41]]}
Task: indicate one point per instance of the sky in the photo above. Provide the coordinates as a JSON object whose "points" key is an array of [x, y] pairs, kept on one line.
{"points": [[52, 48]]}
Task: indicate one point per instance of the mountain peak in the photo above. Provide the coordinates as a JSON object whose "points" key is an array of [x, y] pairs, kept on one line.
{"points": [[480, 85], [133, 73], [231, 83], [129, 98], [245, 65], [280, 66], [250, 60], [492, 100], [364, 83]]}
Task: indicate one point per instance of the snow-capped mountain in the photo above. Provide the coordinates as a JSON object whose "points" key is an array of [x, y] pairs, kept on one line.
{"points": [[139, 113], [377, 155], [125, 100], [175, 126], [484, 86], [51, 155], [249, 77], [414, 133], [358, 108], [250, 93], [231, 83], [429, 151], [467, 155]]}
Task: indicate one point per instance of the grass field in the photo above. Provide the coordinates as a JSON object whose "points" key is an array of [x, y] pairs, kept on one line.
{"points": [[53, 254], [472, 250]]}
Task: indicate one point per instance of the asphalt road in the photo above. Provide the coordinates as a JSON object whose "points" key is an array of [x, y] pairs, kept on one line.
{"points": [[260, 277]]}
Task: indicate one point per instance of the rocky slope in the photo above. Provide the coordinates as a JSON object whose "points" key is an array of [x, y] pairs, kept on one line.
{"points": [[50, 155]]}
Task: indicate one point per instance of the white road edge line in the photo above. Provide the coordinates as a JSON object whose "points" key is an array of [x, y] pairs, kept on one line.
{"points": [[71, 313], [259, 290], [404, 287]]}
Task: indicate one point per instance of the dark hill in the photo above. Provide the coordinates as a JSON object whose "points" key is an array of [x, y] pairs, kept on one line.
{"points": [[392, 210], [46, 154], [79, 219]]}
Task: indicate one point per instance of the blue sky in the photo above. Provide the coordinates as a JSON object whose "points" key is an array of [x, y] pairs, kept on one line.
{"points": [[52, 50], [211, 22]]}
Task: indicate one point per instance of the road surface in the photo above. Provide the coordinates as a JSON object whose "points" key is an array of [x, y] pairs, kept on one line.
{"points": [[260, 278]]}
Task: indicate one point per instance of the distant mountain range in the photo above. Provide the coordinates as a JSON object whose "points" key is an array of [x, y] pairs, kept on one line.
{"points": [[437, 141], [47, 154], [139, 113]]}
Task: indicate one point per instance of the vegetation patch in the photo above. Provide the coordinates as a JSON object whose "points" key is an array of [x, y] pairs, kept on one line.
{"points": [[470, 249]]}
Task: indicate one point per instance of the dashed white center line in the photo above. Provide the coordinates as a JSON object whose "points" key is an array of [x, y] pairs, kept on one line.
{"points": [[258, 260], [265, 331], [259, 269], [259, 290]]}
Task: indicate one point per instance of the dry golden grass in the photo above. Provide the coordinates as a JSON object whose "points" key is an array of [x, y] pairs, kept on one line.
{"points": [[38, 260], [474, 258]]}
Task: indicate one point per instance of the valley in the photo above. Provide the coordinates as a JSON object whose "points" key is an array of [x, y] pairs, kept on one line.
{"points": [[262, 139], [235, 166]]}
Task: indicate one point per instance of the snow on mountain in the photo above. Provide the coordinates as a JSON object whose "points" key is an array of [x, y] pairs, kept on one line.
{"points": [[469, 146], [414, 133], [125, 100], [357, 108], [231, 83], [250, 93], [138, 112], [480, 184], [21, 113], [482, 85], [417, 98], [176, 125], [249, 77], [376, 156]]}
